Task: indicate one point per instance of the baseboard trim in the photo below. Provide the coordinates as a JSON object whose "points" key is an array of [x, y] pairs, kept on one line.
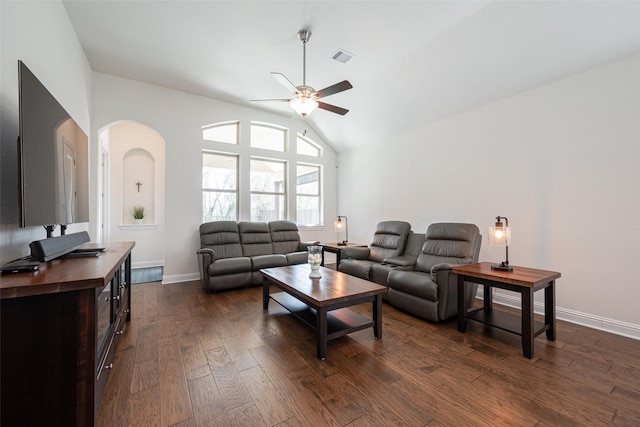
{"points": [[179, 278], [605, 324]]}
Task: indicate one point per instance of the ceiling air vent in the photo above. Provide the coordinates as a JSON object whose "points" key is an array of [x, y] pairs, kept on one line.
{"points": [[342, 56]]}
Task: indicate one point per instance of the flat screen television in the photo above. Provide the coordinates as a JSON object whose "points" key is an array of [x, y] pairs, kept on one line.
{"points": [[54, 158]]}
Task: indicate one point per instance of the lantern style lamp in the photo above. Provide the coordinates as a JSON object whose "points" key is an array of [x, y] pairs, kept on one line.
{"points": [[500, 235], [340, 225]]}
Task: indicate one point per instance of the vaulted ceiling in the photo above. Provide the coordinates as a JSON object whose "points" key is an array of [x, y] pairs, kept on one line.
{"points": [[415, 61]]}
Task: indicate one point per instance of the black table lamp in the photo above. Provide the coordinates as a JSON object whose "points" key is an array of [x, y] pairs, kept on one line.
{"points": [[339, 225], [500, 235]]}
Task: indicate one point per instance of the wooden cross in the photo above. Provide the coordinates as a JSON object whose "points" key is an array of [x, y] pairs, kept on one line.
{"points": [[138, 184]]}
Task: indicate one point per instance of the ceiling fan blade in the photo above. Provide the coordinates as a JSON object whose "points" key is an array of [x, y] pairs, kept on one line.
{"points": [[284, 82], [332, 108], [261, 100], [338, 87]]}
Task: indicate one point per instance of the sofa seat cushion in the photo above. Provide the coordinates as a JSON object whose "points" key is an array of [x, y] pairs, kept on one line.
{"points": [[297, 257], [414, 283], [229, 266], [356, 267], [268, 261]]}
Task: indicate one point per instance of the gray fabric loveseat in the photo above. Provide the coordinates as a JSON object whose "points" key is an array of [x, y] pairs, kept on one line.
{"points": [[232, 253], [417, 267]]}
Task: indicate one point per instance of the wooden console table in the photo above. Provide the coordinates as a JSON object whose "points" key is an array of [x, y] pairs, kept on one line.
{"points": [[60, 326], [523, 280]]}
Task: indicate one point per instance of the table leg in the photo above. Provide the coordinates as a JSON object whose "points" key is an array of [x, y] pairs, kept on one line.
{"points": [[462, 305], [265, 294], [527, 322], [377, 316], [550, 310], [488, 297], [321, 330]]}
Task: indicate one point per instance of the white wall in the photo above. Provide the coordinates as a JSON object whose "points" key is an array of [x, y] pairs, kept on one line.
{"points": [[561, 162], [41, 35], [178, 117]]}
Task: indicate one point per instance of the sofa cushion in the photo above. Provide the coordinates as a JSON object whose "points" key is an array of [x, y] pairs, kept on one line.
{"points": [[452, 243], [255, 238], [413, 283], [229, 266], [357, 267], [267, 261], [389, 240], [284, 237], [297, 257], [222, 237]]}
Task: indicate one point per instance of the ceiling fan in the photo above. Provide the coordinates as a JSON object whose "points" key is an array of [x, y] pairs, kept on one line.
{"points": [[305, 98]]}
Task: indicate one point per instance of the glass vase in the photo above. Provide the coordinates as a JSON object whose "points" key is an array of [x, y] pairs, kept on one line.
{"points": [[315, 259]]}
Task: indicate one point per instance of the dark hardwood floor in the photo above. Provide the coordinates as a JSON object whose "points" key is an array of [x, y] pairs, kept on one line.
{"points": [[190, 358]]}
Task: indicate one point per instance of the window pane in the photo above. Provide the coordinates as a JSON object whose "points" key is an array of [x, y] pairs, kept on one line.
{"points": [[268, 137], [223, 132], [307, 180], [307, 147], [308, 201], [219, 172], [267, 207], [219, 187], [308, 210], [219, 206], [267, 176]]}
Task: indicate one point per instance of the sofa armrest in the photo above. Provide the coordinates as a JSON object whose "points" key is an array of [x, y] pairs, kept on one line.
{"points": [[302, 246], [448, 289], [439, 270], [354, 253], [205, 257], [401, 261]]}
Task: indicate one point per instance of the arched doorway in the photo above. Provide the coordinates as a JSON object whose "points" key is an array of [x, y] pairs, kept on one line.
{"points": [[132, 176]]}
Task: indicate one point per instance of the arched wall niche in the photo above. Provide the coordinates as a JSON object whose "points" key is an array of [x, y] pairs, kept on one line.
{"points": [[132, 173], [138, 185]]}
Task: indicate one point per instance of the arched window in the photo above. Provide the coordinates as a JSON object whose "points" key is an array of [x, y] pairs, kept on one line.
{"points": [[268, 176]]}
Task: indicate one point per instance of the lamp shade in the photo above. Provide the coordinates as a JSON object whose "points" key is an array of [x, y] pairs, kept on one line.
{"points": [[499, 236], [342, 224], [303, 105]]}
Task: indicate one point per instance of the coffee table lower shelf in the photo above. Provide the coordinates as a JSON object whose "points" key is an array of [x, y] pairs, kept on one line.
{"points": [[340, 322]]}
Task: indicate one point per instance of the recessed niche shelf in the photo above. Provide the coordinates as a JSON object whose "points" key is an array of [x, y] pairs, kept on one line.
{"points": [[137, 226]]}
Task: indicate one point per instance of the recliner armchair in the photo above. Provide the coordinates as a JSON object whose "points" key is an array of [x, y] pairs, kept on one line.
{"points": [[430, 291], [389, 240]]}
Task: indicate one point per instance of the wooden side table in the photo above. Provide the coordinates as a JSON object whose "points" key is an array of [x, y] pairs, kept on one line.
{"points": [[523, 280], [336, 248]]}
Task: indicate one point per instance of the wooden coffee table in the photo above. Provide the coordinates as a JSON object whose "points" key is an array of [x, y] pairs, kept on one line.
{"points": [[320, 303]]}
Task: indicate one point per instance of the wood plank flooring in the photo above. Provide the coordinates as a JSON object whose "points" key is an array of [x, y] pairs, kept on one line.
{"points": [[190, 358]]}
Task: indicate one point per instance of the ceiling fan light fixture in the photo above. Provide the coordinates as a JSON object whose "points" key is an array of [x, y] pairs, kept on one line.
{"points": [[303, 106]]}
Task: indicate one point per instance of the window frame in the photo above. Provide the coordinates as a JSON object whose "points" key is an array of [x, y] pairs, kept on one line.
{"points": [[285, 185], [245, 153], [205, 152], [319, 194]]}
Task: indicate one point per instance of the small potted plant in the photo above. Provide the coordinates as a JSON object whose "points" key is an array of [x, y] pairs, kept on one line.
{"points": [[138, 214]]}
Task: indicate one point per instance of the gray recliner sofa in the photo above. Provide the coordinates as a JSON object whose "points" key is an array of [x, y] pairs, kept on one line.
{"points": [[430, 289], [232, 253], [389, 241]]}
